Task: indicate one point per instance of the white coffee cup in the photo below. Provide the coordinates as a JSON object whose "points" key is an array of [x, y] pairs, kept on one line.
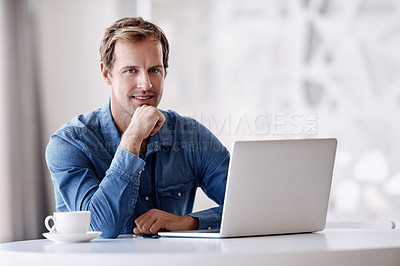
{"points": [[76, 222]]}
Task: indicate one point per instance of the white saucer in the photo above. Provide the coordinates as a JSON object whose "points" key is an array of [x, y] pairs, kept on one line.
{"points": [[71, 238]]}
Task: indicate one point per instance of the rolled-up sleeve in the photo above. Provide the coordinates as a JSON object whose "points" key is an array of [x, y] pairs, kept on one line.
{"points": [[111, 198], [210, 218]]}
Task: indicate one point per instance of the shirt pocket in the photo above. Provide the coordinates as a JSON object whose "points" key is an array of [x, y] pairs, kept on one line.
{"points": [[175, 198]]}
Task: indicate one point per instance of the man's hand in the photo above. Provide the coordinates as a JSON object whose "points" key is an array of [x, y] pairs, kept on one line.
{"points": [[145, 122], [155, 220]]}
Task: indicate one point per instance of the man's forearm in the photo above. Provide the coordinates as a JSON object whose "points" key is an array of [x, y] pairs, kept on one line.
{"points": [[111, 204]]}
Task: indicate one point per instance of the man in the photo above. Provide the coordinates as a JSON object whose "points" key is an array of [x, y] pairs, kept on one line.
{"points": [[135, 167]]}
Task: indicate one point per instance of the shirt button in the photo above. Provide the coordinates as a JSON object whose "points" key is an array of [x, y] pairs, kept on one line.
{"points": [[209, 228], [147, 198], [179, 194]]}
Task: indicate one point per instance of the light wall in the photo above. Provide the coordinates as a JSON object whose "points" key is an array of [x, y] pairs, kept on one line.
{"points": [[69, 37]]}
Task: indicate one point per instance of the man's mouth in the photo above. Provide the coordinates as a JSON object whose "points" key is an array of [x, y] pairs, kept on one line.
{"points": [[142, 97]]}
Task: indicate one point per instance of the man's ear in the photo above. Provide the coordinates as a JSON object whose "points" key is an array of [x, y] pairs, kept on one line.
{"points": [[105, 73]]}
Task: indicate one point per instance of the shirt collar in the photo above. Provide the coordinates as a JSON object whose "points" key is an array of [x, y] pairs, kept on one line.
{"points": [[110, 132], [163, 138]]}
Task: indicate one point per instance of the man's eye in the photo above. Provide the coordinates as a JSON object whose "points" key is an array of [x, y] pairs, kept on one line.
{"points": [[154, 70], [130, 71]]}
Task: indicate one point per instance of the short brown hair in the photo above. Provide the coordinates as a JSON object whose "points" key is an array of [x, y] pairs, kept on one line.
{"points": [[131, 29]]}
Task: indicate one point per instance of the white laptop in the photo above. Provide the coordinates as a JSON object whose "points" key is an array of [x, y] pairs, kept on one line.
{"points": [[275, 187]]}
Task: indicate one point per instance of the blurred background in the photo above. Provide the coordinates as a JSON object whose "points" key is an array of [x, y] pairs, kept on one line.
{"points": [[254, 69]]}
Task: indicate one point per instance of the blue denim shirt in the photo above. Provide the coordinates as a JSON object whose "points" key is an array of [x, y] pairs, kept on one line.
{"points": [[90, 172]]}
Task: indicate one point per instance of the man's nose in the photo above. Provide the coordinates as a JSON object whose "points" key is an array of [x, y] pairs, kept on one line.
{"points": [[144, 82]]}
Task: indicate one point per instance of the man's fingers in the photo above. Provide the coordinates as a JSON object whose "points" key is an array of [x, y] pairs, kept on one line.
{"points": [[159, 124], [156, 128], [155, 228], [136, 231], [150, 222], [145, 227], [147, 121], [140, 220], [162, 117], [146, 220]]}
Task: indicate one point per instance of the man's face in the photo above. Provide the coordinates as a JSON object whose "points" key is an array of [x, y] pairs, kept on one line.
{"points": [[137, 77]]}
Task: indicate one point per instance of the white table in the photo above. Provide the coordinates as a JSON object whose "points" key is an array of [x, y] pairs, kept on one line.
{"points": [[329, 247]]}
